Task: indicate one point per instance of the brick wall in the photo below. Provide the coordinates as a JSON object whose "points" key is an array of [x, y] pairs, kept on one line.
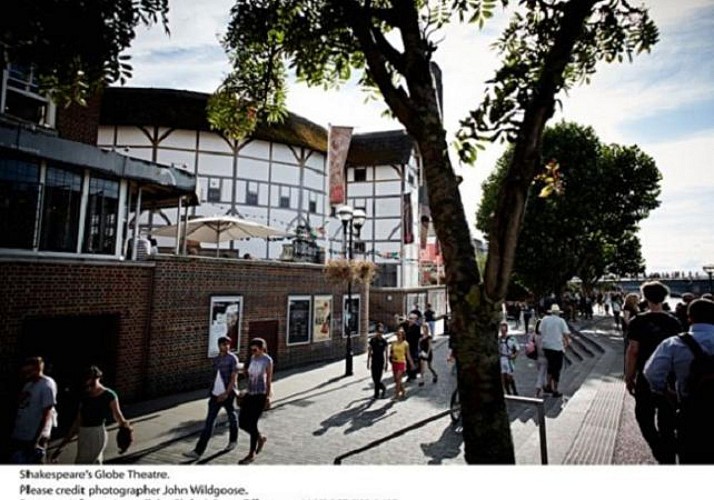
{"points": [[163, 310], [80, 123]]}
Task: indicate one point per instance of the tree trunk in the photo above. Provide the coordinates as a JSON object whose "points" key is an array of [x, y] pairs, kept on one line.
{"points": [[474, 320]]}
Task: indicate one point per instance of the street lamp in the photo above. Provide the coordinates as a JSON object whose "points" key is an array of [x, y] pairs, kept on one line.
{"points": [[352, 222], [709, 269]]}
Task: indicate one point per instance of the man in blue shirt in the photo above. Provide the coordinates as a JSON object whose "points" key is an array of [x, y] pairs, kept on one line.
{"points": [[673, 356], [225, 380]]}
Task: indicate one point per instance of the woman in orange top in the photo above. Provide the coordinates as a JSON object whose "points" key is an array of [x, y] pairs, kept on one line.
{"points": [[399, 356]]}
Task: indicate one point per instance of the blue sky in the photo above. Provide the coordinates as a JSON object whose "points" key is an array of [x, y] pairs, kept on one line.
{"points": [[663, 102]]}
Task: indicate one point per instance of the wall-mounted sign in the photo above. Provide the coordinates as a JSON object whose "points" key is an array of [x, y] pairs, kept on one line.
{"points": [[322, 318], [299, 319], [225, 317]]}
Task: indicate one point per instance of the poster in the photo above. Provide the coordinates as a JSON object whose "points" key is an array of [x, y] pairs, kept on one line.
{"points": [[322, 318], [225, 317], [354, 321], [299, 320]]}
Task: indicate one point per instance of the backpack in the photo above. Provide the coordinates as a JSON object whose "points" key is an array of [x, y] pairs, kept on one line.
{"points": [[698, 407]]}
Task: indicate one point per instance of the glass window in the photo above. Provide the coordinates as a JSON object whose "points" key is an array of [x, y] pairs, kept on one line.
{"points": [[214, 191], [284, 202], [22, 95], [19, 195], [60, 210], [387, 276], [251, 196], [360, 174], [100, 227]]}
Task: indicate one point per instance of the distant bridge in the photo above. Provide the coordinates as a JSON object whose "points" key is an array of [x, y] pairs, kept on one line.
{"points": [[677, 286]]}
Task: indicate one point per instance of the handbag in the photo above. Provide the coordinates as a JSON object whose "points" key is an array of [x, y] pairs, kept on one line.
{"points": [[240, 396], [531, 351]]}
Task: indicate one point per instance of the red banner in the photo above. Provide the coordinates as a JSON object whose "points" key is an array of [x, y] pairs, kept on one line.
{"points": [[338, 145]]}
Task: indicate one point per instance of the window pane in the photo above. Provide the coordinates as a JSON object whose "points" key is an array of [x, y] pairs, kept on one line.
{"points": [[60, 210], [19, 194], [100, 230]]}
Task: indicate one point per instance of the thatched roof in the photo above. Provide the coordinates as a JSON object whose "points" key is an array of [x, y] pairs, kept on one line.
{"points": [[184, 109], [392, 147]]}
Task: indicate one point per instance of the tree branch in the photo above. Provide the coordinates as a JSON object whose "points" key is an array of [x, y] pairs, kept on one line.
{"points": [[511, 201], [360, 22]]}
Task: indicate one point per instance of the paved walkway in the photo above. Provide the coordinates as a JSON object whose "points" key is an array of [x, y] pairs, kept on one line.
{"points": [[319, 414]]}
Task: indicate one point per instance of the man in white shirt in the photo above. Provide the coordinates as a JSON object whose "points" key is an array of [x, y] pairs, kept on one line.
{"points": [[555, 336], [36, 414]]}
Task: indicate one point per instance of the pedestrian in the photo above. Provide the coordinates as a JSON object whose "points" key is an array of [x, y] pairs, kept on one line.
{"points": [[556, 338], [36, 414], [426, 354], [616, 310], [399, 356], [507, 353], [257, 398], [541, 361], [655, 418], [527, 315], [412, 332], [680, 310], [377, 360], [430, 319], [630, 309], [416, 312], [97, 405], [221, 395], [694, 436]]}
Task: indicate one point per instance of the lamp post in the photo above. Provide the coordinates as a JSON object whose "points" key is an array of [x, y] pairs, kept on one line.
{"points": [[352, 222], [709, 269]]}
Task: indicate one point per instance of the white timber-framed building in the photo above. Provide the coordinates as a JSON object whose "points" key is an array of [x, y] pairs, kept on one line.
{"points": [[278, 176]]}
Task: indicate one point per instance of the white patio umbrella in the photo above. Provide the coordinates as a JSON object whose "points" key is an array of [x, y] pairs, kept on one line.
{"points": [[221, 228]]}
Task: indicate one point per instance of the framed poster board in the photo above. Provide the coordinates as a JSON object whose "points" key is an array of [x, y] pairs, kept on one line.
{"points": [[322, 318], [299, 319], [354, 321], [225, 316]]}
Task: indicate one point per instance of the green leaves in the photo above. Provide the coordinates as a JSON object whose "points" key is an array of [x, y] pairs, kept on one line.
{"points": [[614, 31], [75, 46], [590, 227]]}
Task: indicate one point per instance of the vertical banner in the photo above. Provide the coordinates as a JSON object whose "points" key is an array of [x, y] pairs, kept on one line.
{"points": [[424, 231], [407, 222], [338, 145]]}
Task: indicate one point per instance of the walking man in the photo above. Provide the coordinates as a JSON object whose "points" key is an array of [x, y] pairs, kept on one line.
{"points": [[377, 360], [555, 336], [655, 417], [36, 414], [225, 374], [695, 435]]}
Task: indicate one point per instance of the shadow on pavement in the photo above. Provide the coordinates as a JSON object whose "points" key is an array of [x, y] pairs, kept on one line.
{"points": [[448, 446]]}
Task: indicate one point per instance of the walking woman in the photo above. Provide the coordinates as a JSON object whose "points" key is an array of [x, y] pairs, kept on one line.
{"points": [[399, 356], [425, 354], [260, 382], [98, 404]]}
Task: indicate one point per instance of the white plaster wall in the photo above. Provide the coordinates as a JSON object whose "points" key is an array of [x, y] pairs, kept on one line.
{"points": [[249, 168], [215, 165]]}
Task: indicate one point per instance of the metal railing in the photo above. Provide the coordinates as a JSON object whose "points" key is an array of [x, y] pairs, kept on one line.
{"points": [[540, 422]]}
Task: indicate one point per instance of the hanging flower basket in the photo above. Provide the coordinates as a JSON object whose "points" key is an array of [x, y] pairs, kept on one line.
{"points": [[344, 271]]}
